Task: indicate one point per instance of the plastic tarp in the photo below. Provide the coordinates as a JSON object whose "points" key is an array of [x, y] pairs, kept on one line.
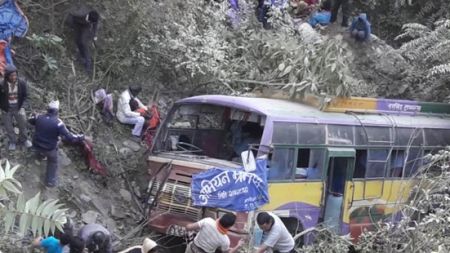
{"points": [[13, 21]]}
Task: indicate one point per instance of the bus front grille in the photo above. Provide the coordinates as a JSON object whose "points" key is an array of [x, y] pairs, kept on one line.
{"points": [[175, 198]]}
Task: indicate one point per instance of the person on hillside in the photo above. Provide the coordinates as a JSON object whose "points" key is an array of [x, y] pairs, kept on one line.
{"points": [[50, 244], [263, 10], [275, 234], [13, 96], [302, 8], [360, 28], [48, 128], [345, 6], [148, 246], [97, 238], [76, 245], [84, 21], [105, 103], [127, 105], [212, 235], [321, 17]]}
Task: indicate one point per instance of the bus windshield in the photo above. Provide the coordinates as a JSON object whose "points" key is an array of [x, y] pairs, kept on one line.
{"points": [[210, 130]]}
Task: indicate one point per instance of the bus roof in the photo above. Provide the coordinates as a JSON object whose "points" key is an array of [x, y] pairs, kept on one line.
{"points": [[289, 111]]}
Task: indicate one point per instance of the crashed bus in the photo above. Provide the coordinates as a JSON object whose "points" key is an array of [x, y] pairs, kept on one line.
{"points": [[346, 163]]}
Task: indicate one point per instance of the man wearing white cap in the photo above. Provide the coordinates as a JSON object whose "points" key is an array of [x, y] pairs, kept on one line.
{"points": [[148, 246], [48, 128]]}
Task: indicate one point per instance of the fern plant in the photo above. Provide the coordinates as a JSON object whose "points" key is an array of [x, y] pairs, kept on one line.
{"points": [[33, 214], [429, 48]]}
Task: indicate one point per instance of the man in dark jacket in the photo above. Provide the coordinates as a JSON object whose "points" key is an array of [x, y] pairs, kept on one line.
{"points": [[84, 22], [48, 127], [345, 5], [97, 238], [13, 94]]}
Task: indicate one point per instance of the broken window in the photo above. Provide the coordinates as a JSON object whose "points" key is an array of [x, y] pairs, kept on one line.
{"points": [[395, 169], [309, 164], [360, 164], [281, 164]]}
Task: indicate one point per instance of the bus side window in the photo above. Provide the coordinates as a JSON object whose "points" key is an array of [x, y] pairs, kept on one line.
{"points": [[396, 165], [360, 164], [281, 164], [309, 164], [301, 170], [376, 163], [414, 161]]}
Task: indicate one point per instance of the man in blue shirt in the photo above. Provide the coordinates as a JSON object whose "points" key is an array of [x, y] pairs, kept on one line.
{"points": [[360, 28], [50, 244], [48, 129]]}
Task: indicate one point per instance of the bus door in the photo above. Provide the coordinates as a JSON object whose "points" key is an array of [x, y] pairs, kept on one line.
{"points": [[337, 195]]}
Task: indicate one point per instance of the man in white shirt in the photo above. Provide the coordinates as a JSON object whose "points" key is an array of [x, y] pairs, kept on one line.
{"points": [[212, 235], [128, 115], [275, 234]]}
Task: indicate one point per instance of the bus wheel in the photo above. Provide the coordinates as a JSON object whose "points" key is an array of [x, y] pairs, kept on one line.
{"points": [[295, 228]]}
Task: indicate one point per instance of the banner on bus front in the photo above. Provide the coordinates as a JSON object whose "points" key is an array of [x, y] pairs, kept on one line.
{"points": [[233, 189]]}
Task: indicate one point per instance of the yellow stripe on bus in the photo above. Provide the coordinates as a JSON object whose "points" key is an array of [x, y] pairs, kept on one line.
{"points": [[283, 193]]}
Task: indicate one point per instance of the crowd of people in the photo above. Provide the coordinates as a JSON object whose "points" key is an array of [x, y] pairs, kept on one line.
{"points": [[210, 235], [317, 13], [91, 238], [49, 129], [213, 234]]}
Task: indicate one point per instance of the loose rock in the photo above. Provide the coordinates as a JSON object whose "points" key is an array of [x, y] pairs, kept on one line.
{"points": [[89, 217], [126, 195], [63, 159], [132, 145], [85, 198]]}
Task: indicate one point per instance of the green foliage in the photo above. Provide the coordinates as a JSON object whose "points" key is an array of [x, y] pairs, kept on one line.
{"points": [[426, 218], [204, 48], [40, 217], [47, 45], [428, 48], [7, 181], [46, 41]]}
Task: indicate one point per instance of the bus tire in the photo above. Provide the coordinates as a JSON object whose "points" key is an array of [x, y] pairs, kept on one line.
{"points": [[294, 226]]}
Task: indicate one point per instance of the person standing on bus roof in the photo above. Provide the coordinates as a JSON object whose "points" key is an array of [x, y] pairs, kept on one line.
{"points": [[275, 234], [212, 235]]}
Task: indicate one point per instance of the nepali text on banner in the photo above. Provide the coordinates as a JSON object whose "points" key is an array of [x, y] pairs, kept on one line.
{"points": [[233, 189]]}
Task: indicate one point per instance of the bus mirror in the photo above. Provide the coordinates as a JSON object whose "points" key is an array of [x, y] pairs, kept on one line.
{"points": [[248, 160]]}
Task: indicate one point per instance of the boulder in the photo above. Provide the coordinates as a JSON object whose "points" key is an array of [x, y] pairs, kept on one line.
{"points": [[89, 217]]}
